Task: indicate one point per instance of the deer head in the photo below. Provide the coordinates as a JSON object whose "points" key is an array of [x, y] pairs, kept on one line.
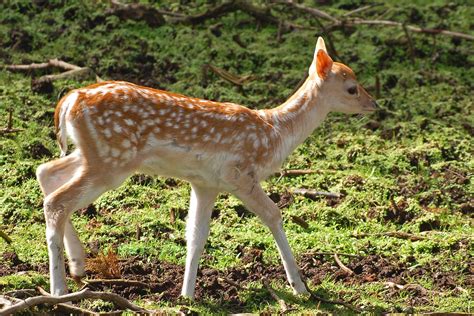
{"points": [[340, 90]]}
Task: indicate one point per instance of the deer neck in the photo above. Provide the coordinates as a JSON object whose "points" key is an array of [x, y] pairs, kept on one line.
{"points": [[298, 117]]}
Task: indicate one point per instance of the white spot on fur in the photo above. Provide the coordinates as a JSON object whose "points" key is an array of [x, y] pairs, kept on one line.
{"points": [[117, 128], [115, 152], [107, 133], [126, 143]]}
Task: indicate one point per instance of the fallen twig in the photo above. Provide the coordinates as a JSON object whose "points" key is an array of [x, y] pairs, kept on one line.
{"points": [[240, 81], [332, 254], [411, 28], [283, 306], [342, 266], [71, 70], [7, 130], [71, 309], [84, 294], [412, 286], [299, 221], [334, 302], [136, 12], [314, 12], [395, 234], [5, 237], [313, 194], [359, 10], [296, 172], [262, 14], [342, 22]]}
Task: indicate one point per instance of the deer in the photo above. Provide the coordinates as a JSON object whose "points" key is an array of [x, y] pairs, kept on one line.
{"points": [[119, 128]]}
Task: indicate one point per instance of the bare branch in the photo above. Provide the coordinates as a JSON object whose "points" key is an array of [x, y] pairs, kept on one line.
{"points": [[299, 221], [5, 237], [333, 302], [136, 12], [262, 14], [359, 10], [298, 172], [71, 70], [313, 194], [314, 12], [338, 23], [396, 234], [84, 294], [416, 29], [239, 81], [342, 266], [283, 306], [332, 254]]}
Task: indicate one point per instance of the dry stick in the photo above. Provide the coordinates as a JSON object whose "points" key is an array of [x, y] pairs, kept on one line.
{"points": [[72, 70], [314, 12], [238, 286], [23, 292], [337, 23], [377, 86], [71, 309], [312, 194], [5, 237], [84, 294], [9, 129], [334, 302], [299, 221], [416, 29], [359, 10], [300, 172], [261, 14], [240, 81], [66, 307], [342, 266], [412, 286], [332, 254], [394, 204], [395, 234], [410, 43], [283, 306]]}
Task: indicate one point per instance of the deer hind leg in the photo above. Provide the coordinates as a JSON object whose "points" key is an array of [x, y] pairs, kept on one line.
{"points": [[51, 176], [197, 231], [259, 203], [81, 190]]}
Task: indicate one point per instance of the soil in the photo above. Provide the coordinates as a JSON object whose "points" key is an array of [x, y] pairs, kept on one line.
{"points": [[163, 281]]}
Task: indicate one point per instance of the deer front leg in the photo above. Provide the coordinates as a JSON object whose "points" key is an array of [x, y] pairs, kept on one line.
{"points": [[197, 231], [259, 203]]}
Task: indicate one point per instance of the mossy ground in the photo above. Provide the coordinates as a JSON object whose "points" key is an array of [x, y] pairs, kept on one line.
{"points": [[416, 150]]}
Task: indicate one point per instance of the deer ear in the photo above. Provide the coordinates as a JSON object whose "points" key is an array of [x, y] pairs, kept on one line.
{"points": [[320, 46], [323, 64]]}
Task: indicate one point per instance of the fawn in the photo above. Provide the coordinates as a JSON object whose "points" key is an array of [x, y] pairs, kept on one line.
{"points": [[119, 128]]}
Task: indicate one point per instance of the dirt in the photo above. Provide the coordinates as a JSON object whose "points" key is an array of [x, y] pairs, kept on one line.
{"points": [[162, 281]]}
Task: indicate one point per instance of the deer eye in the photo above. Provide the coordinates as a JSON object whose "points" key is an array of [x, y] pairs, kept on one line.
{"points": [[352, 90]]}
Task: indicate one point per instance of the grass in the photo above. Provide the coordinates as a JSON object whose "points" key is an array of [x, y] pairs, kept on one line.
{"points": [[418, 149]]}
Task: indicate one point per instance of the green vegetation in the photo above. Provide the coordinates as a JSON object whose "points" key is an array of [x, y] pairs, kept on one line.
{"points": [[416, 151]]}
